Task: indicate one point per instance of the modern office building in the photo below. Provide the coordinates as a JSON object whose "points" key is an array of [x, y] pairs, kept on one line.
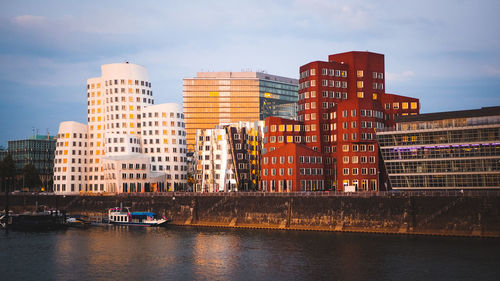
{"points": [[342, 102], [37, 150], [227, 158], [446, 150], [213, 98], [129, 144]]}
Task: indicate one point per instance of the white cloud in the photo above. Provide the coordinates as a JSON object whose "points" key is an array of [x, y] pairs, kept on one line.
{"points": [[29, 20], [344, 14], [402, 76], [491, 70]]}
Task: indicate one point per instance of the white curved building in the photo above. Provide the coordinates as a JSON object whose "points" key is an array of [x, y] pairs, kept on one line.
{"points": [[116, 102], [70, 161], [164, 139]]}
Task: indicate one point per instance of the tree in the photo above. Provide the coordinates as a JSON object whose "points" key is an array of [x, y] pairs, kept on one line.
{"points": [[7, 169], [31, 177]]}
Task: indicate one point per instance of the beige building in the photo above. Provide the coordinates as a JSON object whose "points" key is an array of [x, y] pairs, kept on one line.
{"points": [[213, 98]]}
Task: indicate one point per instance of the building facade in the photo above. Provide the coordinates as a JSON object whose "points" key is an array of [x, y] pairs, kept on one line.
{"points": [[342, 102], [124, 127], [227, 158], [446, 150], [213, 98], [292, 168], [38, 151]]}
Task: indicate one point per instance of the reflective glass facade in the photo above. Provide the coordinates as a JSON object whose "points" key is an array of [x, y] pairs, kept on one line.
{"points": [[37, 150], [452, 150], [214, 98]]}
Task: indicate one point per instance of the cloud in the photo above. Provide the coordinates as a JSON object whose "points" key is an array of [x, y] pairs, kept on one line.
{"points": [[344, 14], [29, 20], [490, 70], [402, 76]]}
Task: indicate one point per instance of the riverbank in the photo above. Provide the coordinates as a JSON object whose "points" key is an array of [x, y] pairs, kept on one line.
{"points": [[449, 214]]}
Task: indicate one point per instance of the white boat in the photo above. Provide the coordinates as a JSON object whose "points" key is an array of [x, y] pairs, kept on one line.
{"points": [[120, 216]]}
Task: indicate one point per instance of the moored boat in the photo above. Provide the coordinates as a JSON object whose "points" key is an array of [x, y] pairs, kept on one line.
{"points": [[35, 221], [123, 216], [79, 221]]}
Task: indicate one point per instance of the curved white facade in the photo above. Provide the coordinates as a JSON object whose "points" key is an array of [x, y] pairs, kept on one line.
{"points": [[164, 139], [116, 102], [70, 162]]}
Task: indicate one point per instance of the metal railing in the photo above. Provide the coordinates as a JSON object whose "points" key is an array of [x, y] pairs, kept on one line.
{"points": [[409, 193], [396, 194]]}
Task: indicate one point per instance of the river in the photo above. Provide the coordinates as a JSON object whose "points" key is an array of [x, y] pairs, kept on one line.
{"points": [[185, 253]]}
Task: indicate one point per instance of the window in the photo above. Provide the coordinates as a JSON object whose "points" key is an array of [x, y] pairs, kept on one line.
{"points": [[374, 96], [360, 95], [395, 105], [414, 105], [359, 73], [404, 105], [359, 84], [346, 171], [387, 106]]}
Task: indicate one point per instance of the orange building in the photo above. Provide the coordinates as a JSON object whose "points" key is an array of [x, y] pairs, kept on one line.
{"points": [[213, 98]]}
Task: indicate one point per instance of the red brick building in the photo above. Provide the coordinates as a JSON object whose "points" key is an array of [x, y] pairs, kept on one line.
{"points": [[342, 102], [294, 167]]}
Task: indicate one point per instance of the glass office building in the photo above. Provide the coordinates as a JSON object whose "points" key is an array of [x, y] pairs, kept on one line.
{"points": [[448, 150], [37, 150], [213, 98]]}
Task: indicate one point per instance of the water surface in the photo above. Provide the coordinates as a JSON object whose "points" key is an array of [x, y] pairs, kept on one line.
{"points": [[180, 253]]}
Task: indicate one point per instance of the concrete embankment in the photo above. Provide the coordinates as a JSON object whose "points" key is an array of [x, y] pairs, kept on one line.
{"points": [[448, 214]]}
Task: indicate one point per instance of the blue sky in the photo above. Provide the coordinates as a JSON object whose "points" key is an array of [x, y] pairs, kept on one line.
{"points": [[446, 53]]}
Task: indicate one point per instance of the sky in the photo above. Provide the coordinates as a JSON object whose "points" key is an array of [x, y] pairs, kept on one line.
{"points": [[446, 52]]}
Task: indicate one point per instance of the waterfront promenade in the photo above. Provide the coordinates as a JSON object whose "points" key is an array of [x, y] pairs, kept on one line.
{"points": [[447, 213]]}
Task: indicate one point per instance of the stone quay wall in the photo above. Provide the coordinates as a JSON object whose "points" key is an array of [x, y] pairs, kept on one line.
{"points": [[474, 214]]}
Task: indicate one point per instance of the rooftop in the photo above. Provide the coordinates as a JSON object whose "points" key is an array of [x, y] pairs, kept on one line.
{"points": [[245, 75], [482, 112]]}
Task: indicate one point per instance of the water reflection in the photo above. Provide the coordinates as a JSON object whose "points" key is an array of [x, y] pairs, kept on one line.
{"points": [[215, 255], [175, 253]]}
